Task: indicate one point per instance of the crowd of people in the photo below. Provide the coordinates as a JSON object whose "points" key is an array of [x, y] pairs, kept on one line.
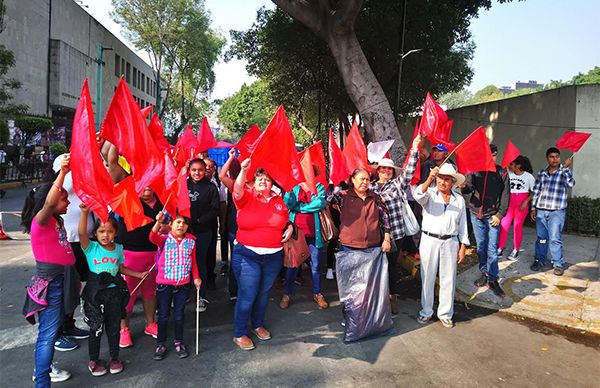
{"points": [[166, 259]]}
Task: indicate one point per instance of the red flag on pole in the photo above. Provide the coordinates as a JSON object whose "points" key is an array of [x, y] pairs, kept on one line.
{"points": [[276, 153], [355, 151], [510, 154], [146, 111], [473, 154], [183, 196], [91, 181], [157, 133], [186, 146], [433, 116], [248, 142], [127, 204], [317, 156], [417, 175], [206, 139], [309, 173], [338, 171], [125, 127], [165, 186], [572, 140]]}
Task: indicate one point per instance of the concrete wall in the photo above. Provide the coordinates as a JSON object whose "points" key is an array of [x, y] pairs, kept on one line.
{"points": [[535, 122], [26, 35]]}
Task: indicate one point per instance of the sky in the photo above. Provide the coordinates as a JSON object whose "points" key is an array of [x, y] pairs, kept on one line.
{"points": [[539, 40]]}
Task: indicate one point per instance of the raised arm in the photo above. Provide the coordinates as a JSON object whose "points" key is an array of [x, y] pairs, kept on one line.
{"points": [[55, 193], [223, 177], [240, 182], [84, 238]]}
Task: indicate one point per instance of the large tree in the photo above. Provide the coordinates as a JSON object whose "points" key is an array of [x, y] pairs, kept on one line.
{"points": [[364, 39], [181, 46]]}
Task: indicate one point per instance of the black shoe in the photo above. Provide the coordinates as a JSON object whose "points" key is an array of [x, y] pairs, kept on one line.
{"points": [[559, 271], [482, 281], [536, 266], [224, 269], [496, 289], [160, 352], [181, 350], [76, 333]]}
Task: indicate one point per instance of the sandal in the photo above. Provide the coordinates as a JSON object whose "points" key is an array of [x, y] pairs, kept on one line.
{"points": [[447, 323], [423, 320]]}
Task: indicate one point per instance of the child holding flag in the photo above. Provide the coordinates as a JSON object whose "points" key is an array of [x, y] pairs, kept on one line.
{"points": [[175, 263]]}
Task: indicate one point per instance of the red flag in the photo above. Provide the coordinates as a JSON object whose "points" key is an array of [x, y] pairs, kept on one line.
{"points": [[317, 156], [186, 146], [338, 171], [355, 151], [276, 153], [572, 140], [157, 133], [433, 116], [443, 131], [473, 154], [308, 171], [183, 196], [510, 154], [248, 142], [165, 187], [127, 204], [91, 181], [206, 139], [146, 111], [125, 127]]}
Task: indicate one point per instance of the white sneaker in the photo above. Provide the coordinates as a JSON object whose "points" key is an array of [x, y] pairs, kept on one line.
{"points": [[329, 274], [514, 255], [499, 252], [56, 375]]}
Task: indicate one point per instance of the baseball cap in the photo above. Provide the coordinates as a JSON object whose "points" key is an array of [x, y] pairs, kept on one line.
{"points": [[441, 147]]}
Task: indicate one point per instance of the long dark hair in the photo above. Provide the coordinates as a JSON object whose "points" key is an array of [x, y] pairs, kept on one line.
{"points": [[34, 202], [524, 163]]}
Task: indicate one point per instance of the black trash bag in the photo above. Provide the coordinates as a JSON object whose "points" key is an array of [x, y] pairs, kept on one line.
{"points": [[362, 278]]}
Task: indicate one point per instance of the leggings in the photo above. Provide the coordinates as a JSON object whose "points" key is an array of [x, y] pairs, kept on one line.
{"points": [[109, 299], [516, 215]]}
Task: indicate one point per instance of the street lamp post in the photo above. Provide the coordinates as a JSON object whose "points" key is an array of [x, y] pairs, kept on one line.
{"points": [[402, 55], [101, 50]]}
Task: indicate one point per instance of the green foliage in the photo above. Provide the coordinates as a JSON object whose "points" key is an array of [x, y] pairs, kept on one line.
{"points": [[489, 93], [7, 85], [457, 99], [301, 73], [249, 106], [4, 131], [183, 50], [583, 215], [29, 126], [591, 77], [58, 149]]}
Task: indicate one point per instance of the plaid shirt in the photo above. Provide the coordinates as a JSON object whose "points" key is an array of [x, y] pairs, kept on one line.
{"points": [[550, 190], [392, 194], [178, 258]]}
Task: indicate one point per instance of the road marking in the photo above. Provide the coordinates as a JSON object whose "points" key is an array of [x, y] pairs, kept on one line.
{"points": [[17, 337]]}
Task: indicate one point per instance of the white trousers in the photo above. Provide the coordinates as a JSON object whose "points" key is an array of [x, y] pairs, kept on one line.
{"points": [[438, 254]]}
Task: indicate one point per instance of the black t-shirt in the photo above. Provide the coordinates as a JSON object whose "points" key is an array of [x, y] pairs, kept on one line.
{"points": [[204, 200], [138, 239]]}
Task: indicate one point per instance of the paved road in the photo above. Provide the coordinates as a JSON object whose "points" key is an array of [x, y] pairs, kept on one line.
{"points": [[484, 349]]}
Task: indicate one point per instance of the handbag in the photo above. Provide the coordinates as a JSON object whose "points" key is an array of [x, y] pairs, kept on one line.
{"points": [[295, 250], [328, 229]]}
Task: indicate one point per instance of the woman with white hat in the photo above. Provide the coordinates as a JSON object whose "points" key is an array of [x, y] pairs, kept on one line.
{"points": [[390, 183], [443, 240]]}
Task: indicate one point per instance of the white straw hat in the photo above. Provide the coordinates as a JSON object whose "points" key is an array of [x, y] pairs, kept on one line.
{"points": [[449, 170], [387, 162]]}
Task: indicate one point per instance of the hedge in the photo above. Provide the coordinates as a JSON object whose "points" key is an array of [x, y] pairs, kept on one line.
{"points": [[583, 216]]}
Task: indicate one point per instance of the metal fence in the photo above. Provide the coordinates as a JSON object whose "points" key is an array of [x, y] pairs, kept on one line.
{"points": [[25, 172]]}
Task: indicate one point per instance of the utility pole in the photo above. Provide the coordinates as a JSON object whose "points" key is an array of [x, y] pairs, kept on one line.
{"points": [[99, 61]]}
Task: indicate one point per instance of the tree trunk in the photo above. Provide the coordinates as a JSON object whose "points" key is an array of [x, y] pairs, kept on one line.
{"points": [[365, 91]]}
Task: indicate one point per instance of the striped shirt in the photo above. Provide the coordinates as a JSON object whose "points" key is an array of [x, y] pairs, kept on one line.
{"points": [[551, 189]]}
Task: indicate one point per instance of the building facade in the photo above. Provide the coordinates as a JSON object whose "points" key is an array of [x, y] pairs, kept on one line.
{"points": [[56, 46]]}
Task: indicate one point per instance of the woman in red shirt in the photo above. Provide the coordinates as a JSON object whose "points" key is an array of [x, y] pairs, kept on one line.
{"points": [[258, 252]]}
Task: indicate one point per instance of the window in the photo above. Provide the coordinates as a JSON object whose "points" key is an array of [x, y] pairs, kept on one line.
{"points": [[117, 65], [143, 83], [128, 73], [148, 90], [122, 72], [135, 71], [139, 80]]}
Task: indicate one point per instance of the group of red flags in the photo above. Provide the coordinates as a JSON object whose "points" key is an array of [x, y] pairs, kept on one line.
{"points": [[156, 164]]}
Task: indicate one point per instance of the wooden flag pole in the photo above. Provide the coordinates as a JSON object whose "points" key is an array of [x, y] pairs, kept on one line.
{"points": [[197, 318], [141, 281]]}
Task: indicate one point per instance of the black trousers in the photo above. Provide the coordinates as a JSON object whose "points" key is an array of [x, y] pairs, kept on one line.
{"points": [[393, 268], [211, 258], [110, 301]]}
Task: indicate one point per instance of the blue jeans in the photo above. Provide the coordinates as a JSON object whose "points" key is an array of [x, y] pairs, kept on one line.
{"points": [[549, 226], [166, 294], [315, 260], [255, 275], [232, 283], [50, 320], [487, 245]]}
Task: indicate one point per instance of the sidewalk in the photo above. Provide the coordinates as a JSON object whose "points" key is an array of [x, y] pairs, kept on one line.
{"points": [[571, 300]]}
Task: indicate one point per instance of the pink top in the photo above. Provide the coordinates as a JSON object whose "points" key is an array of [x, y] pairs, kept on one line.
{"points": [[49, 243]]}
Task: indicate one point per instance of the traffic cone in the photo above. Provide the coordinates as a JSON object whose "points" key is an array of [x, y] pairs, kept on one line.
{"points": [[3, 235]]}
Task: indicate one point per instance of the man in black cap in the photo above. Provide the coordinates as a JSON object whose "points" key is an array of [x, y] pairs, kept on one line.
{"points": [[487, 199]]}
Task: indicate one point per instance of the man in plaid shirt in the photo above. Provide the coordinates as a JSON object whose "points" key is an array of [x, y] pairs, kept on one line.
{"points": [[549, 210]]}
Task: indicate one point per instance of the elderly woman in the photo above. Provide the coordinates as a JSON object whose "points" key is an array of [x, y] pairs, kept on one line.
{"points": [[258, 254], [443, 240], [390, 185]]}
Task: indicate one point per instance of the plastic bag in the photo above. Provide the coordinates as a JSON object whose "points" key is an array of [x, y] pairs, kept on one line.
{"points": [[362, 278]]}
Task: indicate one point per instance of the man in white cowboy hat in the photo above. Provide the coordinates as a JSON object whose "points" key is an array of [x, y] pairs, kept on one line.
{"points": [[390, 183], [443, 240]]}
